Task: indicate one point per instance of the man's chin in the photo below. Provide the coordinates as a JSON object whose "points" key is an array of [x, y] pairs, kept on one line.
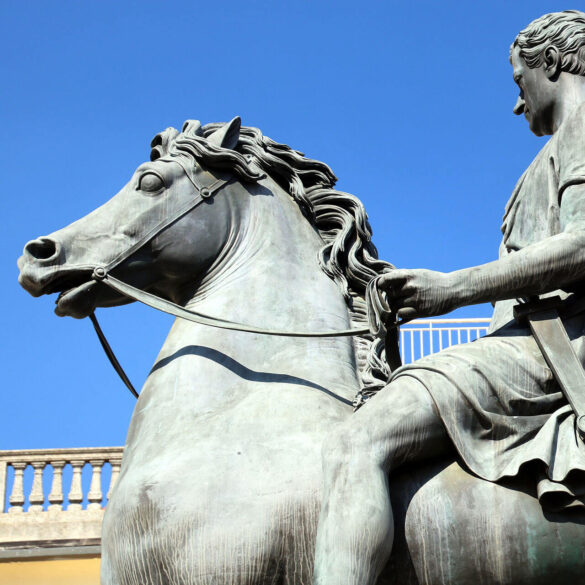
{"points": [[538, 127]]}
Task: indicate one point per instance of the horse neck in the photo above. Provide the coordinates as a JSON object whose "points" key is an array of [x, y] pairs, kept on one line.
{"points": [[268, 275]]}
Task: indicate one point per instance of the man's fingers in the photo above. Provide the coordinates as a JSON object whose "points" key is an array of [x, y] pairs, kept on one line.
{"points": [[393, 279], [406, 314], [395, 285]]}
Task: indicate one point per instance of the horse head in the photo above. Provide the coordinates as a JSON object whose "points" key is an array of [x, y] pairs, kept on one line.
{"points": [[152, 221]]}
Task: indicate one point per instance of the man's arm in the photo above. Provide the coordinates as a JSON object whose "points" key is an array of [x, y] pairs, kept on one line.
{"points": [[539, 268]]}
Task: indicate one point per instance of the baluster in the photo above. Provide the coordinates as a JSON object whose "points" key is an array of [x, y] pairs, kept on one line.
{"points": [[2, 485], [56, 495], [36, 497], [94, 497], [17, 496], [115, 472], [75, 494], [431, 350], [412, 358]]}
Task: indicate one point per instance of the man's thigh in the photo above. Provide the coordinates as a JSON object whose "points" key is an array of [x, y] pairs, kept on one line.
{"points": [[401, 424]]}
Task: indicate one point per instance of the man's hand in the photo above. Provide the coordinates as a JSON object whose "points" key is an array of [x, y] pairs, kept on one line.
{"points": [[413, 294]]}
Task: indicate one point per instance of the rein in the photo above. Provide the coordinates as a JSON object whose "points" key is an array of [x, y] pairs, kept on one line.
{"points": [[102, 274], [136, 294], [171, 308]]}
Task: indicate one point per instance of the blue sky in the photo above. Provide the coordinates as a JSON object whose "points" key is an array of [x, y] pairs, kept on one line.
{"points": [[409, 103]]}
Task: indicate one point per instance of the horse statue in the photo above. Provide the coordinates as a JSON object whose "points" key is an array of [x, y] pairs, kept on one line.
{"points": [[221, 475]]}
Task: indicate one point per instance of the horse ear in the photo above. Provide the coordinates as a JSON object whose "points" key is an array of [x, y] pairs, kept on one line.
{"points": [[192, 128], [227, 136]]}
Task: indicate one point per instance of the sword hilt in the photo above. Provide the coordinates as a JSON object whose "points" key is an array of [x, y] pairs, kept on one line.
{"points": [[522, 310]]}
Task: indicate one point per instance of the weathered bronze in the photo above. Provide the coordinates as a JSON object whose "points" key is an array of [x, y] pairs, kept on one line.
{"points": [[222, 478], [222, 472]]}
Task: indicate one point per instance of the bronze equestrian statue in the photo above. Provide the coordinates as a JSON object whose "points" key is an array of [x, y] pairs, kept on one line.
{"points": [[249, 244]]}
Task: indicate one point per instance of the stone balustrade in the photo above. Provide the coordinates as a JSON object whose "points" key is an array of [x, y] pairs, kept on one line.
{"points": [[64, 501]]}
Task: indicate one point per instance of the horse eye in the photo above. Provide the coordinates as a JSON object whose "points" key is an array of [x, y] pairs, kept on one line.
{"points": [[150, 182]]}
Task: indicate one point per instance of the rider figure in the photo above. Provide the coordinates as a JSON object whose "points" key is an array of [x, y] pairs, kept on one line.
{"points": [[495, 402]]}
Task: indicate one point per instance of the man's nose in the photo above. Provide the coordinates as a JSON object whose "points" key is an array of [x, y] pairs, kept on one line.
{"points": [[519, 107]]}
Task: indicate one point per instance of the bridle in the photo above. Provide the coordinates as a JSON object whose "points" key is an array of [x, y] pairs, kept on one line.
{"points": [[204, 190]]}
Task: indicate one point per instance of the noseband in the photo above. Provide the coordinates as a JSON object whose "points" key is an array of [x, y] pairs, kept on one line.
{"points": [[102, 274]]}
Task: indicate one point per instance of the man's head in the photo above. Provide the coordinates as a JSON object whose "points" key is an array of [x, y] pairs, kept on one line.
{"points": [[563, 30], [548, 48]]}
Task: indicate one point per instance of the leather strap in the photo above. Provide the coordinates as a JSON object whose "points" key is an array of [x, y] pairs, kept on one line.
{"points": [[111, 355], [203, 193], [171, 308], [554, 343]]}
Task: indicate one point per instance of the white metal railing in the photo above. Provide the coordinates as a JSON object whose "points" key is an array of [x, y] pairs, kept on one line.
{"points": [[425, 336]]}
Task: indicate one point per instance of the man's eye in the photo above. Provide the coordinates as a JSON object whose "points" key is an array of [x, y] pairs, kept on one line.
{"points": [[150, 182]]}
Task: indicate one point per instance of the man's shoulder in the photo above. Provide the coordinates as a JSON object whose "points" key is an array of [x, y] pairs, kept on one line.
{"points": [[574, 125], [580, 110], [569, 152]]}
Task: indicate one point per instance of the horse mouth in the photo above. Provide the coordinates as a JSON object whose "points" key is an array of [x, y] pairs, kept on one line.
{"points": [[77, 301], [77, 292]]}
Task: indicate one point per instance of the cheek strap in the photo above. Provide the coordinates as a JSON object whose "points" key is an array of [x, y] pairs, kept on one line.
{"points": [[202, 193], [101, 273]]}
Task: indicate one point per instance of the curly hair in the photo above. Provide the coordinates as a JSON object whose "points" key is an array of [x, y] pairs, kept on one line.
{"points": [[348, 255], [563, 30]]}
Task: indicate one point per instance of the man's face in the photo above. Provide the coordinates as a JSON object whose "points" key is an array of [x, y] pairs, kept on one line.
{"points": [[538, 95]]}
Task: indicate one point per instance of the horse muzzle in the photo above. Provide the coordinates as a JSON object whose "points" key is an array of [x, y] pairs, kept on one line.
{"points": [[39, 265], [42, 272]]}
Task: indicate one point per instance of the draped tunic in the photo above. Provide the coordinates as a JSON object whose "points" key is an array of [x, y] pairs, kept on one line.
{"points": [[496, 396]]}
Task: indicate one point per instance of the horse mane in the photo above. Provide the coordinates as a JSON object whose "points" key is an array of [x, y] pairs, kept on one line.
{"points": [[348, 255]]}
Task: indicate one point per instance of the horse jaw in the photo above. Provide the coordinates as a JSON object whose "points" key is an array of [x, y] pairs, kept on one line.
{"points": [[78, 302]]}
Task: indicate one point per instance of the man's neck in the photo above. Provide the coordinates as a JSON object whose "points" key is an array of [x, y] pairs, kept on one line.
{"points": [[573, 95]]}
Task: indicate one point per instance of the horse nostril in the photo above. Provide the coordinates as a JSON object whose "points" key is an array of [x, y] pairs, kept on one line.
{"points": [[42, 249]]}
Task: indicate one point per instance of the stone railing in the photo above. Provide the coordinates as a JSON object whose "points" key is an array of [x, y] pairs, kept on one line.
{"points": [[55, 495]]}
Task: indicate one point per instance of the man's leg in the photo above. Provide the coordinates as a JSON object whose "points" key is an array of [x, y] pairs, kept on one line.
{"points": [[356, 526]]}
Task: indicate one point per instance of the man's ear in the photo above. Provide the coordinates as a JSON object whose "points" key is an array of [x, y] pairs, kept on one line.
{"points": [[227, 136], [552, 62]]}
